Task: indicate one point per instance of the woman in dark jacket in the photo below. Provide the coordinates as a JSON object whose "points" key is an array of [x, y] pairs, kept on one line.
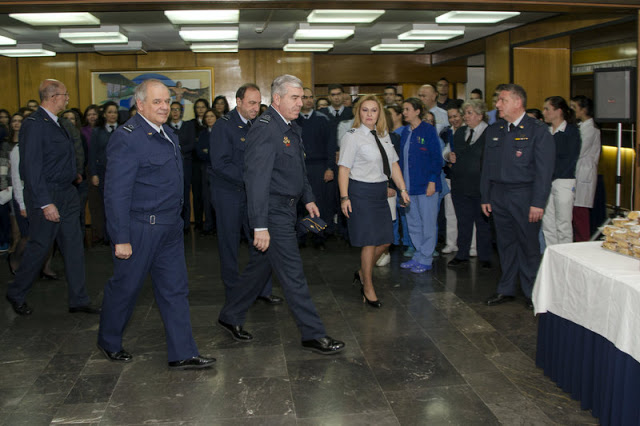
{"points": [[466, 165]]}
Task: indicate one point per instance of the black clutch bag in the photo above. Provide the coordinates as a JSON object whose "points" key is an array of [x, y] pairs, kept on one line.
{"points": [[311, 224]]}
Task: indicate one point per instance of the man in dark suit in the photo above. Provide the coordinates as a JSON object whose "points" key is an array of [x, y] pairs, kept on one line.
{"points": [[187, 136], [518, 162], [48, 168], [275, 179], [144, 195], [226, 150]]}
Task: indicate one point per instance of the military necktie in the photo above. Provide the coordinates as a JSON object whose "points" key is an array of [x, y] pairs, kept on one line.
{"points": [[385, 160]]}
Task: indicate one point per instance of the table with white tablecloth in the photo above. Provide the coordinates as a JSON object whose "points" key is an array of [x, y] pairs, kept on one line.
{"points": [[588, 330]]}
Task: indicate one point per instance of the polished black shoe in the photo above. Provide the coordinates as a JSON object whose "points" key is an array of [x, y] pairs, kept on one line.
{"points": [[49, 277], [236, 332], [457, 262], [87, 309], [498, 298], [120, 356], [20, 308], [195, 363], [486, 265], [271, 299], [356, 278], [324, 346], [372, 303], [528, 303]]}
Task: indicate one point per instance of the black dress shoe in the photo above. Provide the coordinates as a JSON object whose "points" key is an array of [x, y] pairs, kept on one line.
{"points": [[20, 308], [486, 265], [498, 298], [457, 262], [120, 356], [87, 309], [529, 303], [195, 363], [323, 346], [271, 299], [236, 332]]}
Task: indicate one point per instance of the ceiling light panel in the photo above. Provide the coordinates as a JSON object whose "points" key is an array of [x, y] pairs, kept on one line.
{"points": [[185, 17], [102, 35], [70, 18], [6, 41], [209, 33], [393, 45], [308, 32], [343, 16], [431, 32], [214, 47], [309, 46], [474, 17], [26, 51]]}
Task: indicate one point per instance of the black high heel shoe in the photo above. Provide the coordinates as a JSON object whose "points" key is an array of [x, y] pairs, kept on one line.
{"points": [[356, 278], [372, 303]]}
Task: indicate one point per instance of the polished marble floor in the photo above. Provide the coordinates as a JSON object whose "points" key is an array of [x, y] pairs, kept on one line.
{"points": [[434, 354]]}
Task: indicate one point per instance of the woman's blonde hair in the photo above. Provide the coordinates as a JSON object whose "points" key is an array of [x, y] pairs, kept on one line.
{"points": [[381, 124]]}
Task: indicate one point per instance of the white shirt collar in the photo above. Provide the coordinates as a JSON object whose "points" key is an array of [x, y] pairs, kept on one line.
{"points": [[307, 114], [334, 110], [515, 123], [477, 131], [179, 124], [284, 119], [52, 115], [108, 126], [155, 127], [561, 128], [244, 120]]}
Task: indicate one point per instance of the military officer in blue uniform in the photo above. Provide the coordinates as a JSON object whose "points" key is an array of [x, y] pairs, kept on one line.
{"points": [[144, 194], [48, 168], [275, 179], [186, 132], [227, 143], [320, 160], [515, 182]]}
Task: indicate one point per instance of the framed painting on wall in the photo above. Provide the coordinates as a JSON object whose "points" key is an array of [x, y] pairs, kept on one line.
{"points": [[185, 86]]}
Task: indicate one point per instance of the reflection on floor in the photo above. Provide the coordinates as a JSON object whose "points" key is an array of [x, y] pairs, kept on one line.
{"points": [[434, 354]]}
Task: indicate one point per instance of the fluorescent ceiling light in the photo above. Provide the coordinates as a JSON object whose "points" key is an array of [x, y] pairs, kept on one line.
{"points": [[209, 33], [102, 35], [343, 16], [25, 51], [474, 17], [132, 47], [393, 45], [6, 41], [70, 18], [214, 47], [431, 32], [209, 16], [294, 46], [308, 32]]}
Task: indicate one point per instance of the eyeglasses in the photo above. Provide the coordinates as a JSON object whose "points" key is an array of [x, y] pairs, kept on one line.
{"points": [[60, 94], [307, 97]]}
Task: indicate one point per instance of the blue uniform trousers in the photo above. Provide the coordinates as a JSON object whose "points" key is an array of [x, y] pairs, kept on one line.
{"points": [[469, 212], [158, 250], [517, 238], [42, 234], [209, 210], [196, 191], [187, 164], [422, 220], [284, 257], [231, 220], [325, 193]]}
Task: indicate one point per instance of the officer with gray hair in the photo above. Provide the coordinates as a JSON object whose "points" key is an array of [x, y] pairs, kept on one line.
{"points": [[275, 179]]}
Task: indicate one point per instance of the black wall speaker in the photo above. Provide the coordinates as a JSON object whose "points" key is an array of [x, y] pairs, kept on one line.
{"points": [[614, 93]]}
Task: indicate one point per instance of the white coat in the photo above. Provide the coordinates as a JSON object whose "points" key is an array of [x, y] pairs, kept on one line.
{"points": [[587, 167]]}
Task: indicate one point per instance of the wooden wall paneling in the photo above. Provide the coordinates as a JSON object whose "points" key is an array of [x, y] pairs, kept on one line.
{"points": [[542, 73], [231, 70], [371, 69], [462, 51], [9, 84], [272, 63], [497, 64], [409, 90], [31, 72], [609, 53], [557, 25], [171, 59], [88, 62]]}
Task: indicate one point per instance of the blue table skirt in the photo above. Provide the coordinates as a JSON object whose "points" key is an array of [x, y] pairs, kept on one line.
{"points": [[590, 368]]}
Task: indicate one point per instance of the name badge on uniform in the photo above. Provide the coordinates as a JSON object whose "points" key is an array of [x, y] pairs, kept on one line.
{"points": [[286, 141], [495, 139]]}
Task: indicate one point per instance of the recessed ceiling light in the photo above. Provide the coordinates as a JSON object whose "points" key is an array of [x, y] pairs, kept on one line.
{"points": [[209, 33], [308, 32], [474, 17], [6, 41], [296, 46], [104, 34], [393, 45], [431, 32], [343, 16], [66, 18], [26, 51], [214, 47], [209, 16]]}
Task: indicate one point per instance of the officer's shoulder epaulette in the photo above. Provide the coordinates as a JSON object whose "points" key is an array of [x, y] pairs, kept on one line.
{"points": [[129, 127], [226, 117], [265, 118], [539, 123], [352, 130], [31, 118]]}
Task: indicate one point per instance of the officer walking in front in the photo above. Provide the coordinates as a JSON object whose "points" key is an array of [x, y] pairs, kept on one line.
{"points": [[275, 179], [518, 163], [144, 195], [226, 149], [48, 168]]}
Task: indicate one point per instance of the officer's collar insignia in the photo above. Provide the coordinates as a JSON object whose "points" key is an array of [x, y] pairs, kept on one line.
{"points": [[241, 139], [240, 127], [150, 133], [46, 119], [265, 118], [286, 141], [502, 127], [521, 126]]}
